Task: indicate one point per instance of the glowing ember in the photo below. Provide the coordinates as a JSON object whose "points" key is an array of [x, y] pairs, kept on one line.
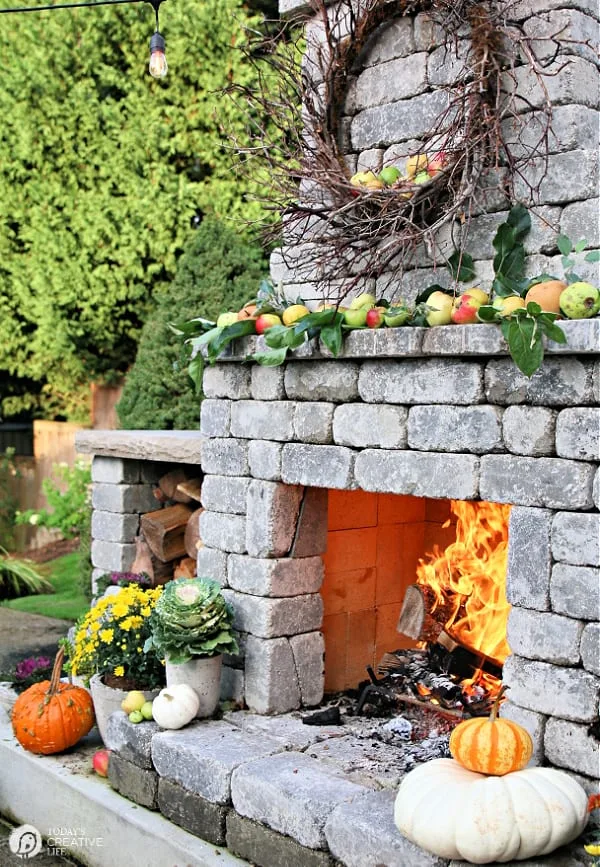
{"points": [[468, 580]]}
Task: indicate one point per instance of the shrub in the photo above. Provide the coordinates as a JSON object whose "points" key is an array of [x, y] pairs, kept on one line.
{"points": [[20, 578], [218, 271], [68, 509], [8, 500]]}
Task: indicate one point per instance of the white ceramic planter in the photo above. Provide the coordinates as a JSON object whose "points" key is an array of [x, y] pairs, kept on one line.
{"points": [[203, 675], [107, 700]]}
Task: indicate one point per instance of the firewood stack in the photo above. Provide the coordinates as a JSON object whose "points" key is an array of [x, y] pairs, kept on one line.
{"points": [[169, 538]]}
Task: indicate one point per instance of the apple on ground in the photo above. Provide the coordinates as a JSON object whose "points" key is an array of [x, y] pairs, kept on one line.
{"points": [[356, 318], [266, 321], [227, 319], [465, 307], [375, 317], [441, 308], [506, 304], [294, 313], [365, 300], [100, 762]]}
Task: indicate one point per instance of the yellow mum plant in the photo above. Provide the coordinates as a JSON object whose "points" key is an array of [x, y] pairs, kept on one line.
{"points": [[109, 640]]}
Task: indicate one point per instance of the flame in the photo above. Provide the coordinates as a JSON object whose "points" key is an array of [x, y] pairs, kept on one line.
{"points": [[469, 578]]}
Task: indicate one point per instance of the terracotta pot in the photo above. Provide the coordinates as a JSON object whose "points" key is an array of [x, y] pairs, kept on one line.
{"points": [[107, 700], [203, 674]]}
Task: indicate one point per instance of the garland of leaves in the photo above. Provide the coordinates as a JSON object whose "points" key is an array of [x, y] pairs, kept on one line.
{"points": [[356, 234]]}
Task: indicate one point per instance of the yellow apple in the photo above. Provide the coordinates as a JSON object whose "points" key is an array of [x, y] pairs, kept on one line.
{"points": [[441, 312], [294, 313], [505, 305], [416, 164], [134, 700], [364, 300]]}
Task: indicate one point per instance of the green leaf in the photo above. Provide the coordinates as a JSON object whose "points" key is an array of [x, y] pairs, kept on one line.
{"points": [[504, 240], [580, 245], [461, 267], [593, 256], [195, 371], [272, 358], [541, 278], [564, 245], [520, 221], [533, 309], [487, 313], [277, 336], [331, 335], [435, 287], [524, 339], [555, 332], [567, 263]]}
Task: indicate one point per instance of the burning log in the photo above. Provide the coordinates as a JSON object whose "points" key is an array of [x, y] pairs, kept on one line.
{"points": [[164, 531]]}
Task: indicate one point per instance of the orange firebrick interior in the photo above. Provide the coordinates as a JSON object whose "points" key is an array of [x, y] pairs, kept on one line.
{"points": [[374, 543]]}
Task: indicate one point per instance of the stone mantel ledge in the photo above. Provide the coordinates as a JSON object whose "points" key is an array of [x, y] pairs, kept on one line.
{"points": [[583, 338], [176, 446]]}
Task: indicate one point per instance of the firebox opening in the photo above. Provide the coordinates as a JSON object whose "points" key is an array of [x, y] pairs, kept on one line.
{"points": [[437, 565]]}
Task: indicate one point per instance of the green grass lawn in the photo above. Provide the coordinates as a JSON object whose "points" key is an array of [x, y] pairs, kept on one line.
{"points": [[67, 602]]}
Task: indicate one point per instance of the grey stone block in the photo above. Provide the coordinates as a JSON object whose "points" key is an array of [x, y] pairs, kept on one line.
{"points": [[287, 728], [357, 840], [272, 510], [570, 746], [227, 380], [596, 489], [572, 25], [382, 342], [115, 471], [529, 561], [215, 417], [309, 658], [132, 741], [232, 685], [576, 537], [549, 637], [259, 845], [475, 429], [578, 434], [225, 532], [334, 381], [123, 498], [136, 784], [225, 457], [311, 530], [397, 121], [430, 381], [421, 474], [291, 793], [551, 482], [405, 77], [112, 556], [263, 420], [534, 723], [575, 591], [275, 577], [590, 648], [321, 466], [556, 181], [372, 159], [271, 677], [559, 382], [446, 65], [427, 33], [313, 422], [476, 339], [272, 618], [264, 459], [267, 383], [570, 693], [394, 39], [192, 812], [529, 430], [114, 527], [580, 219], [212, 563], [370, 426], [202, 757], [225, 494], [360, 759]]}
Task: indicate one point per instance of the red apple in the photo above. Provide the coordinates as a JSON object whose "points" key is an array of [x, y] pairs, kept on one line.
{"points": [[100, 762], [375, 317], [464, 309], [265, 321], [436, 164]]}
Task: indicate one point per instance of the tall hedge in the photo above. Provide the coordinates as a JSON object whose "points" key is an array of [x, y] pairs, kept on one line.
{"points": [[101, 171], [218, 271]]}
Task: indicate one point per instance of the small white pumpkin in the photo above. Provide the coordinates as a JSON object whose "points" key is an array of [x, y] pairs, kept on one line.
{"points": [[456, 813], [175, 706]]}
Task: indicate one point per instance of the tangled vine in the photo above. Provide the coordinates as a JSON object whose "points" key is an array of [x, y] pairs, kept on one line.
{"points": [[492, 136]]}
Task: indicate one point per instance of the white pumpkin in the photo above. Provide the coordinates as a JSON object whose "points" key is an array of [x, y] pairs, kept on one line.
{"points": [[456, 813], [175, 706]]}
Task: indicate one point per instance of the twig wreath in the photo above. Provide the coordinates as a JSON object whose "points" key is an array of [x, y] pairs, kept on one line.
{"points": [[489, 135]]}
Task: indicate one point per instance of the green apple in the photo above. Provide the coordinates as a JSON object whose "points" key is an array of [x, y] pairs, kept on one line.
{"points": [[356, 318], [146, 710], [396, 316], [136, 716], [580, 301], [389, 175], [441, 309], [421, 178], [364, 300], [226, 319]]}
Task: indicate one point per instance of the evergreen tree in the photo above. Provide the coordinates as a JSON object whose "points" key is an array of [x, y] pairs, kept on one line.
{"points": [[218, 271]]}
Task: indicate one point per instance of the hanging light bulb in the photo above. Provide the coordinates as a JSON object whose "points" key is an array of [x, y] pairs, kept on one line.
{"points": [[158, 61]]}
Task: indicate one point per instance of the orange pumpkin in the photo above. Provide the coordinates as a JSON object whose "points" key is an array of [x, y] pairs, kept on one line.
{"points": [[51, 716], [491, 746]]}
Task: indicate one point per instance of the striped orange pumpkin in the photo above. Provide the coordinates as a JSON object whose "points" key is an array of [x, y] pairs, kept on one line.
{"points": [[491, 746]]}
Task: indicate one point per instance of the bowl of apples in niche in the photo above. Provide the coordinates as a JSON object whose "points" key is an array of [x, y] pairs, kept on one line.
{"points": [[419, 170]]}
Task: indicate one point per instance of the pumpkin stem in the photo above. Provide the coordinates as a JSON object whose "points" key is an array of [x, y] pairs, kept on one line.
{"points": [[496, 705], [56, 670]]}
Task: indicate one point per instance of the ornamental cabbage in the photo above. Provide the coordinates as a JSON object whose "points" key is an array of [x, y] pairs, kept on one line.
{"points": [[191, 619]]}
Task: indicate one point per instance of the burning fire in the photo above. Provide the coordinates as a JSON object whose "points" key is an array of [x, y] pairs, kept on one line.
{"points": [[469, 577]]}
